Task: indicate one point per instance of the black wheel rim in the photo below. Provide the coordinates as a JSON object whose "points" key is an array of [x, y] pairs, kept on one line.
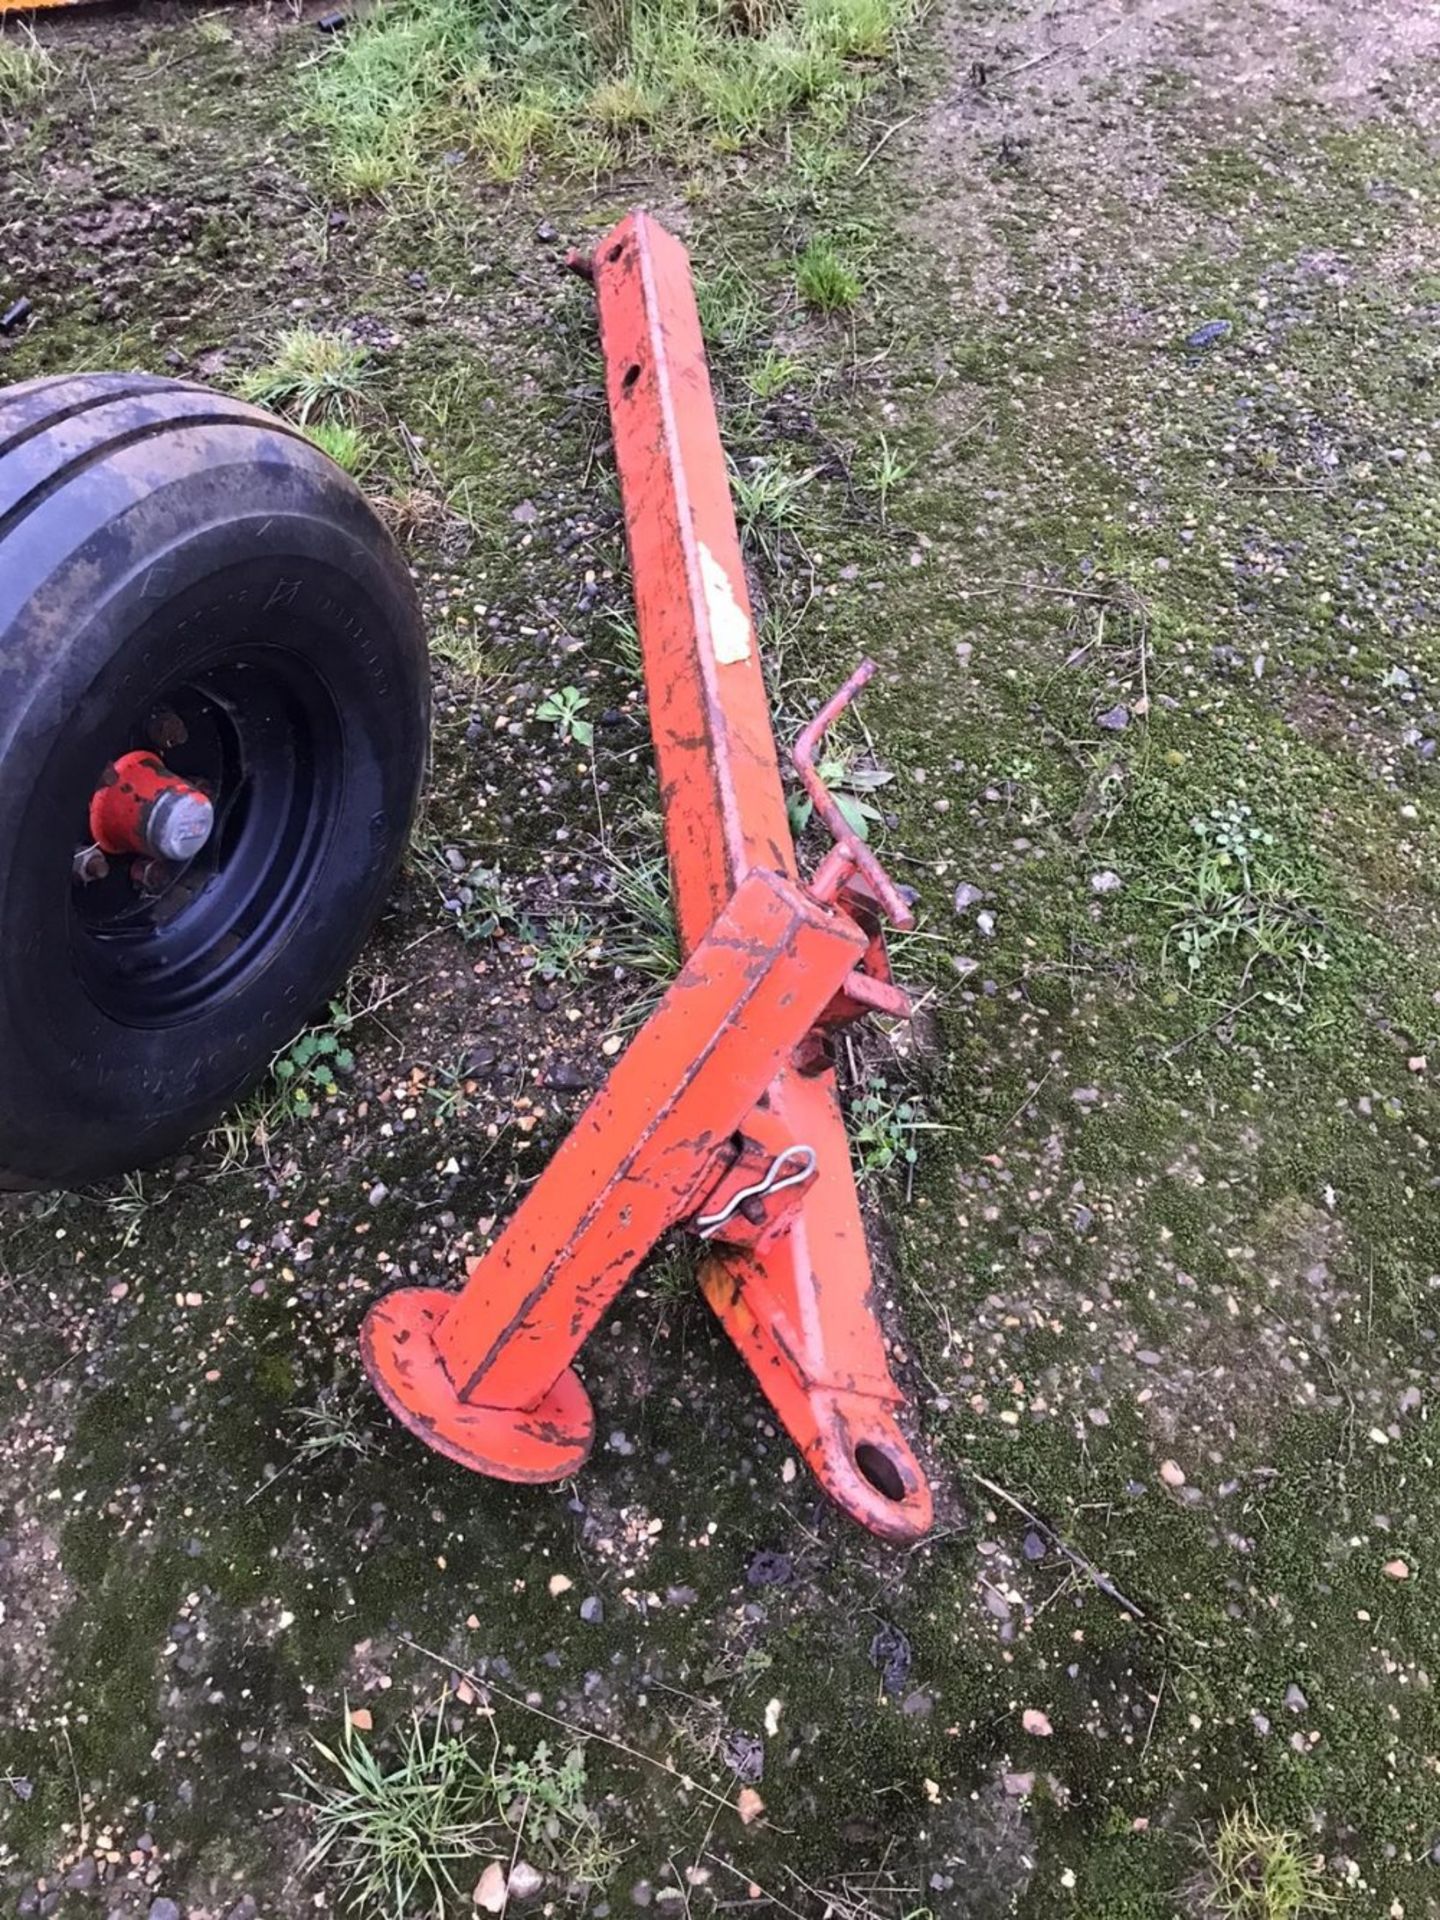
{"points": [[257, 731]]}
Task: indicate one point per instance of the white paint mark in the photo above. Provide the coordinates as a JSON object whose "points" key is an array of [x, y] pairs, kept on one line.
{"points": [[729, 622]]}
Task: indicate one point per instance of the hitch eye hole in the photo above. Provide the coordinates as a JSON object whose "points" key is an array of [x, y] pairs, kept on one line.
{"points": [[880, 1470], [632, 374], [615, 253]]}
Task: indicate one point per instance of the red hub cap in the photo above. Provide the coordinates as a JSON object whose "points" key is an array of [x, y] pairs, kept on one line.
{"points": [[140, 807]]}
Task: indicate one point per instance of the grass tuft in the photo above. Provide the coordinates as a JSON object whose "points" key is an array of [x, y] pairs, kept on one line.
{"points": [[26, 69], [1234, 899], [563, 947], [314, 374], [334, 1425], [823, 278], [369, 176], [1253, 1871], [407, 1834], [645, 941], [768, 497], [395, 1833], [773, 373], [347, 446]]}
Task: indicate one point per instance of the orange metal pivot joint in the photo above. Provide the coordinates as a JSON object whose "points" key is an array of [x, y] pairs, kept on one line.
{"points": [[723, 1114]]}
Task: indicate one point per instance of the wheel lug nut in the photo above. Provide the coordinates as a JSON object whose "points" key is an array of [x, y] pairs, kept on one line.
{"points": [[166, 729], [90, 865]]}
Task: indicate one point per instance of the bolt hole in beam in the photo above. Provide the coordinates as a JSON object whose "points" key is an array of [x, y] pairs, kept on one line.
{"points": [[880, 1470], [632, 374], [615, 253]]}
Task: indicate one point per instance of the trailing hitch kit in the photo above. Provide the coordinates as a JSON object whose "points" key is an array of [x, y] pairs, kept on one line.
{"points": [[723, 1115]]}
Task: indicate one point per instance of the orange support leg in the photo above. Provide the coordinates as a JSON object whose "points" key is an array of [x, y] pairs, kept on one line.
{"points": [[484, 1375]]}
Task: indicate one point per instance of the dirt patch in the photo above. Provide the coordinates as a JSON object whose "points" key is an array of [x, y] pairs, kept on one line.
{"points": [[1079, 96]]}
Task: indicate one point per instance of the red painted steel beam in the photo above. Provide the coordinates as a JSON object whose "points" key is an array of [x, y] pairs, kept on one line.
{"points": [[799, 1306], [485, 1375]]}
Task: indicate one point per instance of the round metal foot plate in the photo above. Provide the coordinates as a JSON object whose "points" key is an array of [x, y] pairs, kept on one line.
{"points": [[535, 1444]]}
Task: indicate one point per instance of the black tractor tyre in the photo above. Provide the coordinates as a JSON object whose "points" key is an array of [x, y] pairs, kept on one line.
{"points": [[188, 576]]}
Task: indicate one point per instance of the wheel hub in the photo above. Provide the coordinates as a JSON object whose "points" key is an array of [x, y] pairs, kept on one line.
{"points": [[141, 807]]}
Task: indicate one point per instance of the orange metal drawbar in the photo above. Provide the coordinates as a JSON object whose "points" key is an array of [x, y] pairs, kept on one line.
{"points": [[723, 1115]]}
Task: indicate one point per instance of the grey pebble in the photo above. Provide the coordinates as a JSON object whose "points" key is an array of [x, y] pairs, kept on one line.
{"points": [[1295, 1699], [1210, 334], [1114, 719], [592, 1610], [967, 896], [482, 1059], [163, 1909], [767, 1569], [744, 1754], [525, 1881]]}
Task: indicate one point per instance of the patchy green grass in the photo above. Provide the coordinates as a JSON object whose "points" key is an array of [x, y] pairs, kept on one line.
{"points": [[411, 1831], [586, 82], [26, 69], [348, 446]]}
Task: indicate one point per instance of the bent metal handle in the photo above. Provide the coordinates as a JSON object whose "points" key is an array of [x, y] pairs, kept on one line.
{"points": [[897, 908]]}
